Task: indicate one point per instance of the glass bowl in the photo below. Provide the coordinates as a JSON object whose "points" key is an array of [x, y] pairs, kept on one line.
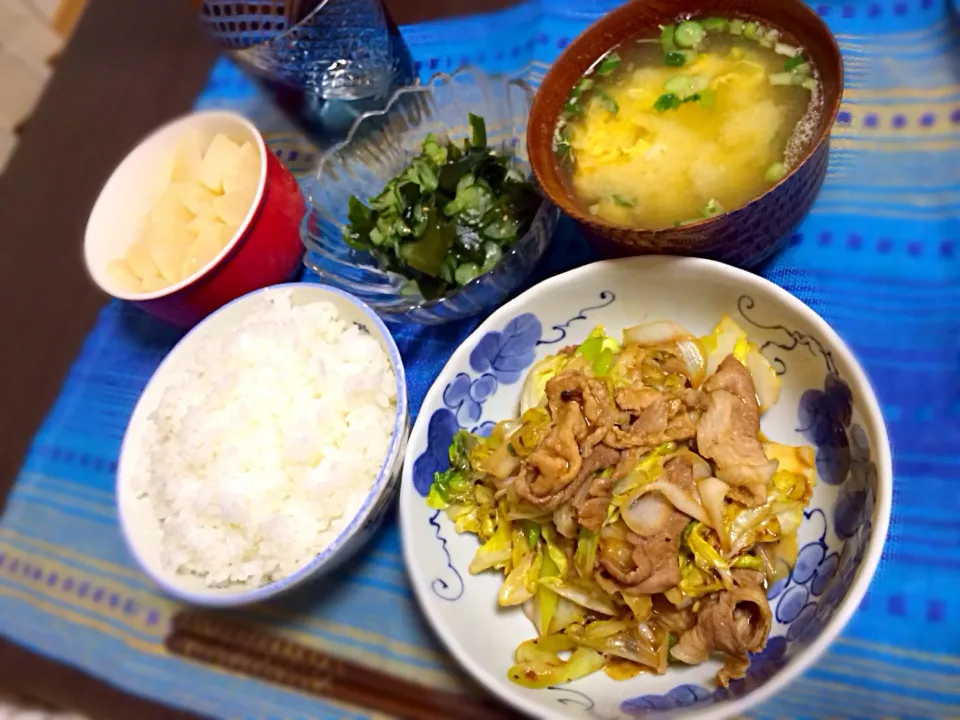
{"points": [[378, 147]]}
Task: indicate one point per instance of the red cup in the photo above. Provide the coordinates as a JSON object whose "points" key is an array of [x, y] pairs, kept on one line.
{"points": [[265, 250]]}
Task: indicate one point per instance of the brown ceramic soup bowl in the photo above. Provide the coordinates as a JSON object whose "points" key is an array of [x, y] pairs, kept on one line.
{"points": [[746, 236]]}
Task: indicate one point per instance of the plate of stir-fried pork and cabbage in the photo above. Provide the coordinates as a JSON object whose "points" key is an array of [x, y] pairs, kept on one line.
{"points": [[634, 510]]}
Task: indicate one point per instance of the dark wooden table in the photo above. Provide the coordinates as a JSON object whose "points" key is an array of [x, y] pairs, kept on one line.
{"points": [[131, 65]]}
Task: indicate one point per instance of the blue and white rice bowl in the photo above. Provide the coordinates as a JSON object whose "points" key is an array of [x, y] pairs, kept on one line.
{"points": [[138, 523], [825, 402]]}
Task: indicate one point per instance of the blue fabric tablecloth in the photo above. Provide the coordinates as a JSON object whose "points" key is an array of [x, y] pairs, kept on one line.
{"points": [[878, 257]]}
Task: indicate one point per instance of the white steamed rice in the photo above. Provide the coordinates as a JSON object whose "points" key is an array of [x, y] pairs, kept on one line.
{"points": [[266, 442]]}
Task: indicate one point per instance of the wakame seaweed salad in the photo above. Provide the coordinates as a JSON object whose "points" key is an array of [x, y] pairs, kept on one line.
{"points": [[448, 217]]}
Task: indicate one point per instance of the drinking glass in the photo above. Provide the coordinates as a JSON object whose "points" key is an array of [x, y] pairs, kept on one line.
{"points": [[324, 62]]}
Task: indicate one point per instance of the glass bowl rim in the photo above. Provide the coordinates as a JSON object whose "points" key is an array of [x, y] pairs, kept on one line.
{"points": [[396, 304]]}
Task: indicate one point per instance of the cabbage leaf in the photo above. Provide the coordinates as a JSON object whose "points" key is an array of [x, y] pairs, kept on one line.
{"points": [[522, 581], [585, 594], [705, 555], [554, 550], [534, 391], [599, 350], [454, 486], [586, 555], [542, 668], [647, 471], [496, 551]]}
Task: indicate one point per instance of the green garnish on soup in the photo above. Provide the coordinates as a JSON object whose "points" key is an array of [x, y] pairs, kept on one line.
{"points": [[686, 123]]}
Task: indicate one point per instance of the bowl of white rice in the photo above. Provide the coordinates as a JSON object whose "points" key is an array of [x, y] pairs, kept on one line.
{"points": [[265, 448]]}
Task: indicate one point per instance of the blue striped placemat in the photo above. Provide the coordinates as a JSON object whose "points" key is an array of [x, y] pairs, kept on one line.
{"points": [[878, 257]]}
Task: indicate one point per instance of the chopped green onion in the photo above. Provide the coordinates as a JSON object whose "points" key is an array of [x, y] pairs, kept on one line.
{"points": [[602, 365], [684, 86], [772, 36], [533, 532], [466, 272], [607, 103], [667, 101], [624, 202], [788, 50], [708, 98], [572, 106], [752, 562], [584, 85], [783, 78], [793, 62], [712, 208], [803, 69], [715, 23], [809, 84], [666, 38], [736, 27], [751, 29], [776, 172], [609, 64], [675, 58], [689, 34]]}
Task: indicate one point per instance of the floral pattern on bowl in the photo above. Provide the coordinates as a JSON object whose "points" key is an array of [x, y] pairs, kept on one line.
{"points": [[825, 402]]}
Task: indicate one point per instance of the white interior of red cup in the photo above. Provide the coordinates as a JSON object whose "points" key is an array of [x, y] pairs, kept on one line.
{"points": [[117, 216]]}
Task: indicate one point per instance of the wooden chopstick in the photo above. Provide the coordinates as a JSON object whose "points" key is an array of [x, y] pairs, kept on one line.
{"points": [[239, 647]]}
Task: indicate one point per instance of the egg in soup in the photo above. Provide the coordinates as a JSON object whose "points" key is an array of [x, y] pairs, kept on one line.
{"points": [[668, 131]]}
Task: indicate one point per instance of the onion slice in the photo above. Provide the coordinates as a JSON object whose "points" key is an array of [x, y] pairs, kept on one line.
{"points": [[648, 514], [682, 500], [695, 359], [660, 332], [712, 492]]}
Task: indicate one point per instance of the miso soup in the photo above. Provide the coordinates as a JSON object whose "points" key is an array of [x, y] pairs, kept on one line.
{"points": [[701, 120]]}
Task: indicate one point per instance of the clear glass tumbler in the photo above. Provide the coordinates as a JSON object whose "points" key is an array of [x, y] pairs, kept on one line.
{"points": [[324, 62]]}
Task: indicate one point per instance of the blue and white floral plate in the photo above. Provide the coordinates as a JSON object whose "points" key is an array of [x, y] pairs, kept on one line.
{"points": [[826, 401]]}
